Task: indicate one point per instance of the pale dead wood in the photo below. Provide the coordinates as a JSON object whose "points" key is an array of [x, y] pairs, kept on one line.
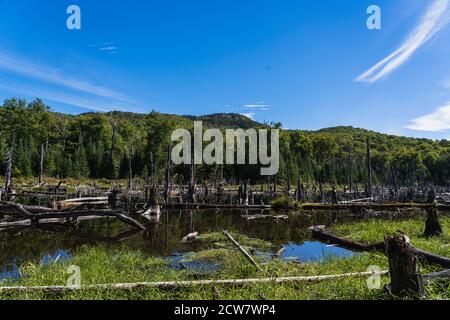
{"points": [[167, 285], [242, 250]]}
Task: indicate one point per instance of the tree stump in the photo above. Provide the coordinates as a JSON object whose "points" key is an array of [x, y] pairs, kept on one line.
{"points": [[113, 198], [432, 225], [403, 267], [431, 196]]}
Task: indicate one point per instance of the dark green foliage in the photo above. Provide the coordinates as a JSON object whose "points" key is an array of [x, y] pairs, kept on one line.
{"points": [[99, 145]]}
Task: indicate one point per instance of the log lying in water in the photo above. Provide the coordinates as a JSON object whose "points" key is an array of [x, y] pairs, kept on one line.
{"points": [[52, 216], [216, 206], [70, 203], [169, 285], [99, 213], [191, 237], [371, 206], [264, 216], [428, 257], [11, 208], [319, 234]]}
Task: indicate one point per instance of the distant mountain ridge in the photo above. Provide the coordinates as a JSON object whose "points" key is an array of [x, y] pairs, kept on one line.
{"points": [[235, 120]]}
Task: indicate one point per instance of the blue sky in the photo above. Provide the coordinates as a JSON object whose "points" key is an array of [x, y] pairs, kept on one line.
{"points": [[307, 63]]}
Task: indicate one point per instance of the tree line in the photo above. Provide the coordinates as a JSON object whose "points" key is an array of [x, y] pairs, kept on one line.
{"points": [[37, 142]]}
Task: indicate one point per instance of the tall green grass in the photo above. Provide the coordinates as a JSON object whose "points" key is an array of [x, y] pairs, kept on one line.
{"points": [[99, 265]]}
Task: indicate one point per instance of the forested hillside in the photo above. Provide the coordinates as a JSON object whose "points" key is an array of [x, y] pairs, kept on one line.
{"points": [[103, 145]]}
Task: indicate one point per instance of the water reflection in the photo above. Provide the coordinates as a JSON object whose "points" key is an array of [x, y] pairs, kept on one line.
{"points": [[58, 256], [313, 251], [12, 271], [9, 272], [163, 238], [181, 261]]}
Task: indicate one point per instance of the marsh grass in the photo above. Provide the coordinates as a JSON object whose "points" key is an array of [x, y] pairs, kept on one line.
{"points": [[219, 240], [99, 265]]}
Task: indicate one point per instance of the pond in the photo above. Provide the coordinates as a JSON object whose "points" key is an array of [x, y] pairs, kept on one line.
{"points": [[164, 238]]}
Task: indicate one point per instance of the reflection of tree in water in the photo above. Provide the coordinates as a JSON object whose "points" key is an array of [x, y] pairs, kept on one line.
{"points": [[159, 239], [152, 234]]}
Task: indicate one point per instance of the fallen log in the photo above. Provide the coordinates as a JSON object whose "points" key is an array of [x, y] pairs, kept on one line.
{"points": [[29, 223], [426, 256], [264, 216], [168, 285], [432, 258], [63, 216], [124, 218], [319, 234], [442, 275], [93, 199], [242, 250], [18, 209], [372, 206], [216, 206], [191, 237]]}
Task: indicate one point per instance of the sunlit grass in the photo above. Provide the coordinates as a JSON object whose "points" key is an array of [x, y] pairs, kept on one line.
{"points": [[99, 265]]}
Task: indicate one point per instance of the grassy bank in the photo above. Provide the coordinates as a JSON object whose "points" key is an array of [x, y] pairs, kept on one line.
{"points": [[99, 265]]}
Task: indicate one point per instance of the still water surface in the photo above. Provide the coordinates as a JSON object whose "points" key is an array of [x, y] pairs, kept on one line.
{"points": [[163, 239]]}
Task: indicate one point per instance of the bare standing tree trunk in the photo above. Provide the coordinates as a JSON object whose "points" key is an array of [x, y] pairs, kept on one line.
{"points": [[369, 170], [130, 170], [112, 168], [193, 177], [167, 177], [288, 177], [9, 166], [113, 142], [350, 177], [41, 164]]}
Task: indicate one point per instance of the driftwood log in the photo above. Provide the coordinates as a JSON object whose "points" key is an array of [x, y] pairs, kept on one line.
{"points": [[191, 237], [242, 250], [53, 216], [169, 285]]}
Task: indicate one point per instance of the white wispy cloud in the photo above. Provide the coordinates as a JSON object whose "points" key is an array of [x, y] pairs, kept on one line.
{"points": [[57, 97], [436, 17], [52, 75], [107, 48], [258, 106], [102, 44], [110, 50], [437, 121], [250, 115]]}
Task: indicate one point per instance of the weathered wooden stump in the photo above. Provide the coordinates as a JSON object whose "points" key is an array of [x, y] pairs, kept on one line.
{"points": [[432, 225], [403, 267], [113, 198]]}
